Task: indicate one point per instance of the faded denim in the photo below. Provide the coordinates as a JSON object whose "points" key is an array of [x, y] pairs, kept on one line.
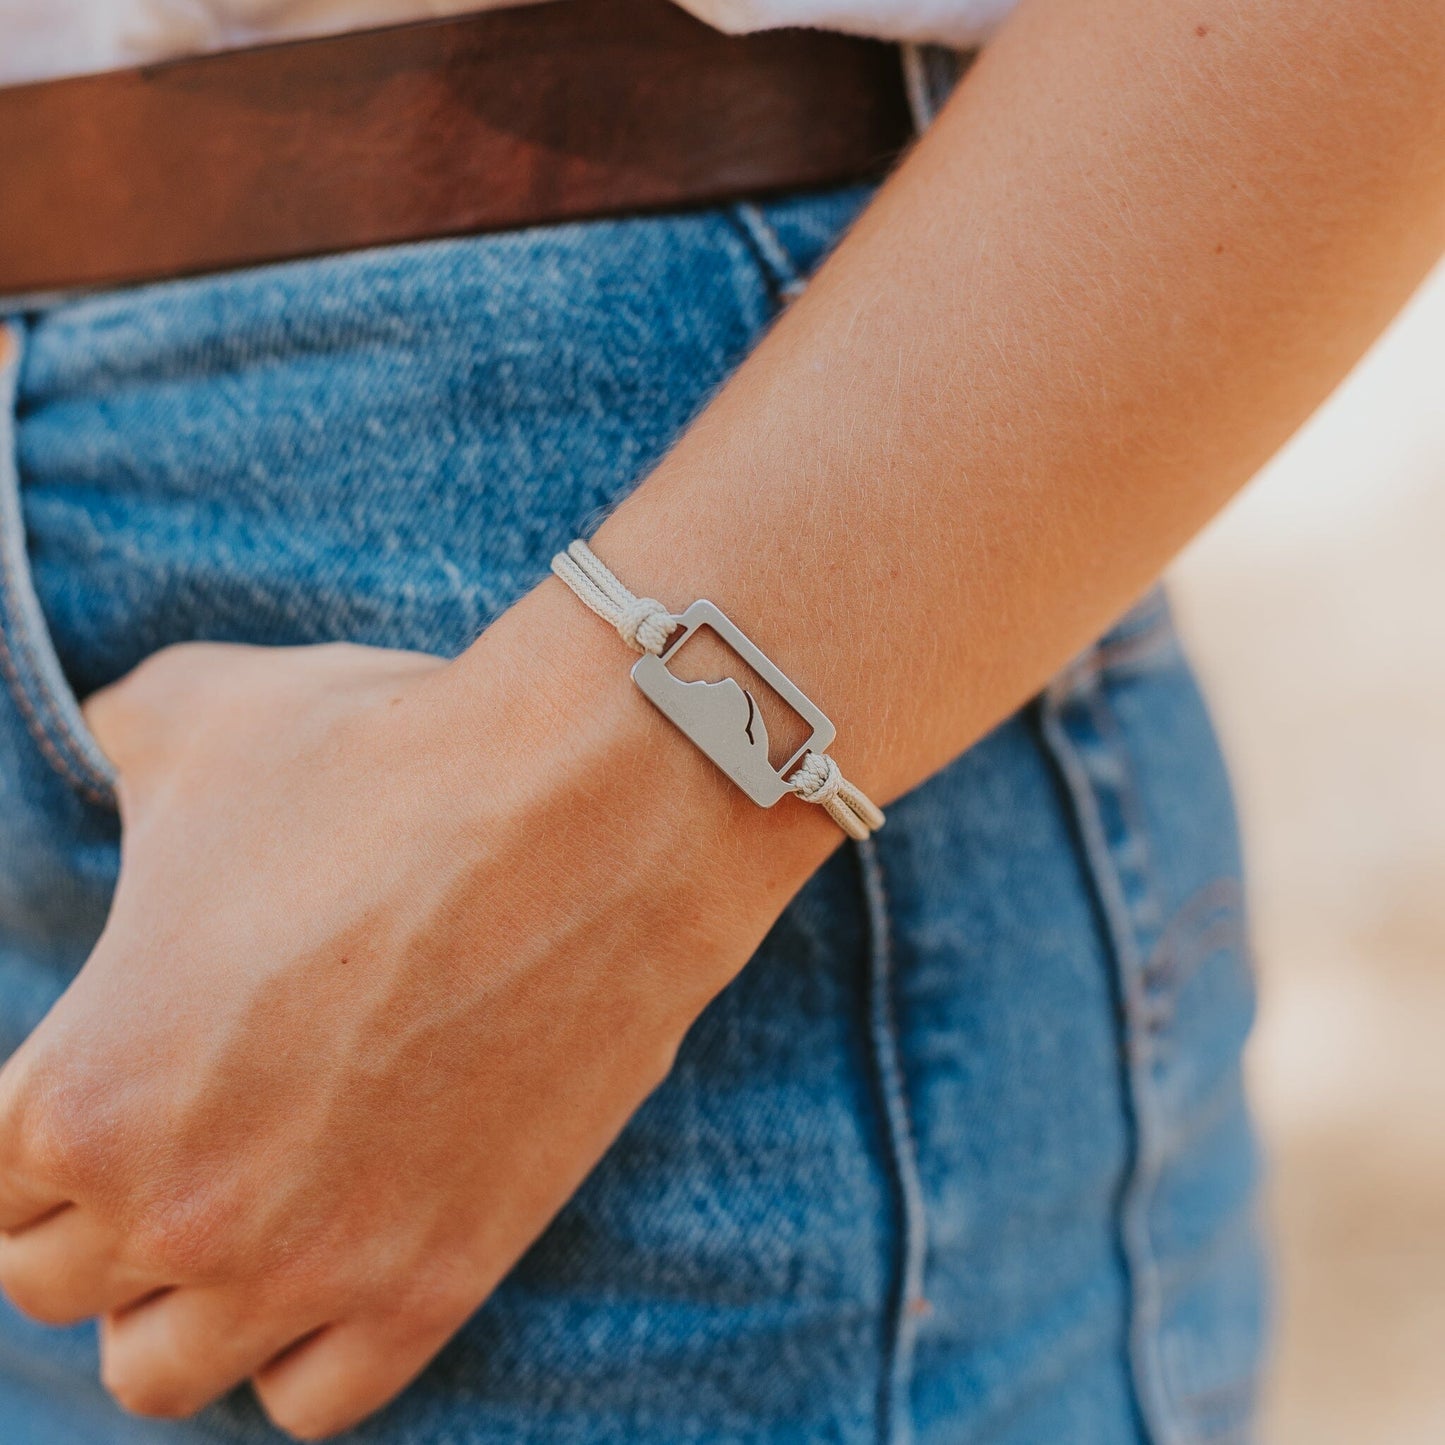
{"points": [[963, 1155]]}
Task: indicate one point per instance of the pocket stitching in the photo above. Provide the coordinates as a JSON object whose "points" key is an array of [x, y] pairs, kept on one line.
{"points": [[43, 714], [79, 777]]}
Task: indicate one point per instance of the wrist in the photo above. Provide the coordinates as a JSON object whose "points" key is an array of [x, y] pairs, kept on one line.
{"points": [[550, 698]]}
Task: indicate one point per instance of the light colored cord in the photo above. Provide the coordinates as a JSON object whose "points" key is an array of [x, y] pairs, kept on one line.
{"points": [[644, 624], [820, 780]]}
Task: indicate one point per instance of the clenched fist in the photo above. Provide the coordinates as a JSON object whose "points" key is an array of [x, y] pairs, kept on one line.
{"points": [[398, 947]]}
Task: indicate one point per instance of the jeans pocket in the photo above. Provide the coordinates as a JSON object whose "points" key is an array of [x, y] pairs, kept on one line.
{"points": [[28, 660]]}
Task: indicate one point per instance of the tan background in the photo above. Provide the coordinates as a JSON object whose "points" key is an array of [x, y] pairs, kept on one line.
{"points": [[1315, 609]]}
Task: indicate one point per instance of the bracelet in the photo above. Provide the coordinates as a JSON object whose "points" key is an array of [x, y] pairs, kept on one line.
{"points": [[722, 718]]}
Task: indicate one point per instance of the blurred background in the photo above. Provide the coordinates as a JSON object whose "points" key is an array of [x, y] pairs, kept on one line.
{"points": [[1315, 610]]}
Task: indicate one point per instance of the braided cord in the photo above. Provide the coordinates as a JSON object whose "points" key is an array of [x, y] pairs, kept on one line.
{"points": [[644, 624]]}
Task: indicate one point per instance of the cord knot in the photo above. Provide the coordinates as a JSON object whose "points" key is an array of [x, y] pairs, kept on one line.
{"points": [[644, 623], [818, 779]]}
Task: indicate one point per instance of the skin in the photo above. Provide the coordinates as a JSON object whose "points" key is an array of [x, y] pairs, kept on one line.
{"points": [[373, 904]]}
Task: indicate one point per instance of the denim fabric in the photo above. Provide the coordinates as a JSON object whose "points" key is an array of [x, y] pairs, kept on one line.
{"points": [[962, 1156]]}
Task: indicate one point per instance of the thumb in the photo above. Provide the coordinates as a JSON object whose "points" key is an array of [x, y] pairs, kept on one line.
{"points": [[134, 719]]}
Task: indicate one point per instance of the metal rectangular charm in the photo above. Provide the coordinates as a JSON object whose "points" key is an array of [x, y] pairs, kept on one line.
{"points": [[722, 717]]}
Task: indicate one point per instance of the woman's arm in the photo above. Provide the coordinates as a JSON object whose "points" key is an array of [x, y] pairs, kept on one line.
{"points": [[1136, 251], [398, 946]]}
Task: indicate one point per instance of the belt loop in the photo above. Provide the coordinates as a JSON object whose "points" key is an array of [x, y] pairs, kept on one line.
{"points": [[930, 73]]}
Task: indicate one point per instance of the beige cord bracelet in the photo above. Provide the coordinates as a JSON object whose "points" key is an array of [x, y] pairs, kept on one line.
{"points": [[721, 718]]}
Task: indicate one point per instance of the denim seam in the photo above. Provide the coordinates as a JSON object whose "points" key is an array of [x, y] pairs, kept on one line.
{"points": [[784, 277], [51, 732], [37, 728], [908, 1301], [51, 736], [1156, 643], [1122, 922]]}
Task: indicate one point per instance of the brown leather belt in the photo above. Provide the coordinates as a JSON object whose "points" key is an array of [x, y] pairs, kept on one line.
{"points": [[509, 118]]}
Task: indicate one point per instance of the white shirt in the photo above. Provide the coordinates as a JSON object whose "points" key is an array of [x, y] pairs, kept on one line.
{"points": [[44, 38]]}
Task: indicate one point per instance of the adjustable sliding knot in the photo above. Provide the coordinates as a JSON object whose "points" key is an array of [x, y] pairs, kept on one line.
{"points": [[818, 779], [645, 624]]}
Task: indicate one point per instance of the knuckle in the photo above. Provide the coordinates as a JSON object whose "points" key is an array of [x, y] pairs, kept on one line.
{"points": [[434, 1298], [257, 1303], [191, 1234], [67, 1136]]}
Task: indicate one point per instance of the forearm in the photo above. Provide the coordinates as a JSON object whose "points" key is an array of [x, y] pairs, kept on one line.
{"points": [[1136, 251]]}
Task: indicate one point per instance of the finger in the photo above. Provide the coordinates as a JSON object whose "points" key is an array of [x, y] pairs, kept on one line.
{"points": [[115, 721], [66, 1269], [131, 719], [174, 1355], [349, 1371], [26, 1203]]}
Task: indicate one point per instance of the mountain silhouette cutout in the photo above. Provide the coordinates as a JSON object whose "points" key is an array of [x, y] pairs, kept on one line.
{"points": [[724, 719]]}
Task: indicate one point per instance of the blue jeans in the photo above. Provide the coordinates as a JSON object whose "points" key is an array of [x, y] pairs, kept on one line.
{"points": [[962, 1156]]}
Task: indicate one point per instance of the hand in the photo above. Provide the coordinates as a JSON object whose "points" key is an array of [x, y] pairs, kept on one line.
{"points": [[398, 947]]}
